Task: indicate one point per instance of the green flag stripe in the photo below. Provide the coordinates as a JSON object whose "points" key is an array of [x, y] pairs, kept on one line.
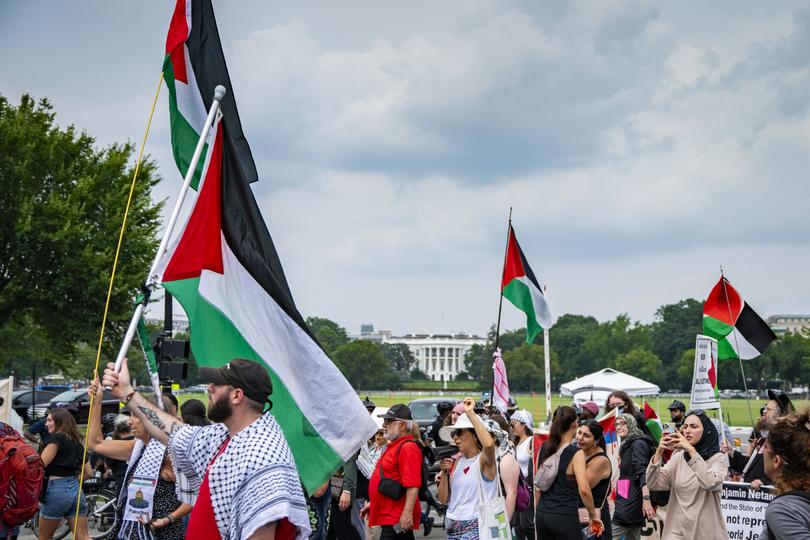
{"points": [[184, 136], [517, 292], [215, 341]]}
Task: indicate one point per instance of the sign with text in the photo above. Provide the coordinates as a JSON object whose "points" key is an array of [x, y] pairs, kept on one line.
{"points": [[704, 378]]}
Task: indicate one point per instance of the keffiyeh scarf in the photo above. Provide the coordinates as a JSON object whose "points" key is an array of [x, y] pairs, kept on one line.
{"points": [[367, 460], [254, 482], [147, 460]]}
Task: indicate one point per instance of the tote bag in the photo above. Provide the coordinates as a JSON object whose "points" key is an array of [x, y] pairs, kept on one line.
{"points": [[492, 521]]}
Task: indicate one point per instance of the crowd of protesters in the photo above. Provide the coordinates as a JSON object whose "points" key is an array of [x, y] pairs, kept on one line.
{"points": [[225, 472]]}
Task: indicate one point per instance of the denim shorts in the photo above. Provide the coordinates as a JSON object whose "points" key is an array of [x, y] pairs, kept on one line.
{"points": [[60, 499]]}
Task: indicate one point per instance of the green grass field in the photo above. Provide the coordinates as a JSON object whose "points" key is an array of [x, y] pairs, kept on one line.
{"points": [[735, 411]]}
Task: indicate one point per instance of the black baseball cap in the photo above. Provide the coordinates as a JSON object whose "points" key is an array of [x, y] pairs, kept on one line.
{"points": [[782, 399], [677, 405], [398, 411], [249, 376]]}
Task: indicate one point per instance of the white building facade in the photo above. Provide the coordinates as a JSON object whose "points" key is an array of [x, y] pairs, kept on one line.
{"points": [[440, 356]]}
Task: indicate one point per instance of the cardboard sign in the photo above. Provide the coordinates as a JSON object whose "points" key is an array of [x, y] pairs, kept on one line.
{"points": [[704, 376]]}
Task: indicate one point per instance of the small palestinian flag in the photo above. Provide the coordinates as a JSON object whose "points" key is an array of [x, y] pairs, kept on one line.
{"points": [[653, 422], [739, 331], [520, 287], [225, 272], [193, 66]]}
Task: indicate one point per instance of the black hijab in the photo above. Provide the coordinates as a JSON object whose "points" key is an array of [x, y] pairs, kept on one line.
{"points": [[709, 443]]}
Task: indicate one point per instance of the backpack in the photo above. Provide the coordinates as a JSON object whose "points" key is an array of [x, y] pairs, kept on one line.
{"points": [[547, 471], [21, 474]]}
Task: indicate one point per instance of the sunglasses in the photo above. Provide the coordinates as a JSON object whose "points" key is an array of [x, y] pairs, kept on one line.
{"points": [[458, 432]]}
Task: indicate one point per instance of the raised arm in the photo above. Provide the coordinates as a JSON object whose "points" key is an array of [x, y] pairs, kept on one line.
{"points": [[120, 450], [486, 440], [158, 423]]}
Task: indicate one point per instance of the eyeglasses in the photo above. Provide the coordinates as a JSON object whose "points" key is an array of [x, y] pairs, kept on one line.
{"points": [[387, 421], [380, 433]]}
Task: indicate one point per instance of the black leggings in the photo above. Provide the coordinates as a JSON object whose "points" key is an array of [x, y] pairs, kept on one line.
{"points": [[558, 526]]}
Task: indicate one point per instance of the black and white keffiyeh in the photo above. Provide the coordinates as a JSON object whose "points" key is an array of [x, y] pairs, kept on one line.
{"points": [[147, 460], [254, 482]]}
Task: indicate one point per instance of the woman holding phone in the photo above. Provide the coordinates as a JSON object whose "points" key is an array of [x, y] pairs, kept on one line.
{"points": [[694, 475], [464, 476]]}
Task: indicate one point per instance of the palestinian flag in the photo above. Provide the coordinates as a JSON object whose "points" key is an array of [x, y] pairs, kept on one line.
{"points": [[653, 422], [739, 331], [224, 270], [520, 287], [193, 66]]}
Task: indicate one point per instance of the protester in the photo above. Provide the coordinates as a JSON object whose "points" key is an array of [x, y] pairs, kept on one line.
{"points": [[633, 505], [121, 432], [37, 433], [428, 458], [590, 409], [676, 411], [787, 462], [619, 399], [8, 532], [241, 470], [62, 457], [193, 413], [508, 468], [444, 408], [344, 489], [522, 435], [464, 477], [149, 474], [366, 464], [694, 475], [590, 439], [170, 403], [557, 516], [394, 486], [452, 418]]}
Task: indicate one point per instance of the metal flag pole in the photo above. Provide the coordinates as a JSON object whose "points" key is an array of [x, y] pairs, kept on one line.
{"points": [[500, 305], [547, 359], [219, 93]]}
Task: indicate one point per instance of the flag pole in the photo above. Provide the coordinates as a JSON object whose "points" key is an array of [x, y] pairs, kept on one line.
{"points": [[219, 93], [547, 358], [500, 303], [737, 348]]}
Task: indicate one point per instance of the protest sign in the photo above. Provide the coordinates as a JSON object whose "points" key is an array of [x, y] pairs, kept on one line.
{"points": [[704, 379], [743, 512]]}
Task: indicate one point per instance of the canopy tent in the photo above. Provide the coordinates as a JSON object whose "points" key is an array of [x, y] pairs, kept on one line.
{"points": [[598, 386]]}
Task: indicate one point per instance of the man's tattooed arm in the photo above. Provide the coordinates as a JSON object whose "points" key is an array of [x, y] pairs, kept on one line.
{"points": [[160, 424]]}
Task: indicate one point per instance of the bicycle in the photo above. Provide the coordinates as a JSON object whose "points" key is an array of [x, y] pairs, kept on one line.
{"points": [[101, 514]]}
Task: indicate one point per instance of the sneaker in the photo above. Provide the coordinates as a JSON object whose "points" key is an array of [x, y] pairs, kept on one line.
{"points": [[428, 525]]}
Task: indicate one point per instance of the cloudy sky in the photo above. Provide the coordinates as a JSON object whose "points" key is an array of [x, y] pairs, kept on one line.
{"points": [[641, 145]]}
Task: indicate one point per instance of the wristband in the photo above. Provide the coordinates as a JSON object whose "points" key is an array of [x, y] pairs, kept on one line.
{"points": [[646, 497], [128, 398], [171, 518]]}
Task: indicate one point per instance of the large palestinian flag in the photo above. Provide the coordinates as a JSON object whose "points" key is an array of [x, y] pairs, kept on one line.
{"points": [[193, 66], [739, 331], [224, 270], [520, 287]]}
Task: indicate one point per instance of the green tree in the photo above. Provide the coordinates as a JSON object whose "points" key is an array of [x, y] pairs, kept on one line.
{"points": [[640, 363], [399, 356], [613, 338], [364, 366], [525, 367], [685, 371], [789, 359], [61, 204], [674, 331], [567, 339], [328, 333]]}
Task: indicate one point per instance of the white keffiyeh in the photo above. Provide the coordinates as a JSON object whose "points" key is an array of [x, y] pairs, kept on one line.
{"points": [[147, 460], [368, 457], [254, 482]]}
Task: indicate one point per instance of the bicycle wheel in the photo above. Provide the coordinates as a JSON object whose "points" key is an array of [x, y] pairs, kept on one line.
{"points": [[101, 514]]}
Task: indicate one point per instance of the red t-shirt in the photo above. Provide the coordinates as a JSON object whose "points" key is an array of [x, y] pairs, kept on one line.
{"points": [[407, 470]]}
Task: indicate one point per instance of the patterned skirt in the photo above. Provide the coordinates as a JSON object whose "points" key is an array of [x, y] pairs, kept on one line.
{"points": [[462, 530]]}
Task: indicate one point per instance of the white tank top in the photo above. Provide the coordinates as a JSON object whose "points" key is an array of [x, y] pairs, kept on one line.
{"points": [[464, 489], [523, 457]]}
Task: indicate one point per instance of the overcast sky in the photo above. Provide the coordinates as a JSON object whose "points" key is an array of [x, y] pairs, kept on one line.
{"points": [[641, 145]]}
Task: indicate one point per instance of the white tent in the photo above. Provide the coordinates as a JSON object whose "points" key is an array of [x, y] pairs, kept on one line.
{"points": [[598, 386]]}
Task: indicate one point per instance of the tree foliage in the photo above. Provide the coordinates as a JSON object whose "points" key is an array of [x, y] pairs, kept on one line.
{"points": [[399, 357], [328, 333], [364, 366], [62, 202]]}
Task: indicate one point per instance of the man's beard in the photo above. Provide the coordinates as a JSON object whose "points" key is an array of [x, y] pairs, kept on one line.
{"points": [[220, 410]]}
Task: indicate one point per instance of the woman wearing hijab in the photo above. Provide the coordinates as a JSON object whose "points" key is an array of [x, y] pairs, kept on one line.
{"points": [[694, 475], [633, 505]]}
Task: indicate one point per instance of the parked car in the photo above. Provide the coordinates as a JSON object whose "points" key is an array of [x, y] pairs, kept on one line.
{"points": [[424, 409], [78, 402], [22, 399]]}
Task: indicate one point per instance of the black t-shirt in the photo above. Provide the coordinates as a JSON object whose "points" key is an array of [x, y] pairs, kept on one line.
{"points": [[68, 460]]}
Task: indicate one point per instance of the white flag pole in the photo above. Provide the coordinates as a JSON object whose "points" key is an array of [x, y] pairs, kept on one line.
{"points": [[547, 358], [219, 93]]}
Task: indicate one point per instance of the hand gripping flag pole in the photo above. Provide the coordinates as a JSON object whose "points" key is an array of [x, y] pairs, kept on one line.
{"points": [[219, 93]]}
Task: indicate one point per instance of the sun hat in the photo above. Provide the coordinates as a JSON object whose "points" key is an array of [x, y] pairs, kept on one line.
{"points": [[463, 422]]}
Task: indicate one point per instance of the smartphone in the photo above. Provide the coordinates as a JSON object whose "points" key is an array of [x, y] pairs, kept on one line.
{"points": [[398, 529]]}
